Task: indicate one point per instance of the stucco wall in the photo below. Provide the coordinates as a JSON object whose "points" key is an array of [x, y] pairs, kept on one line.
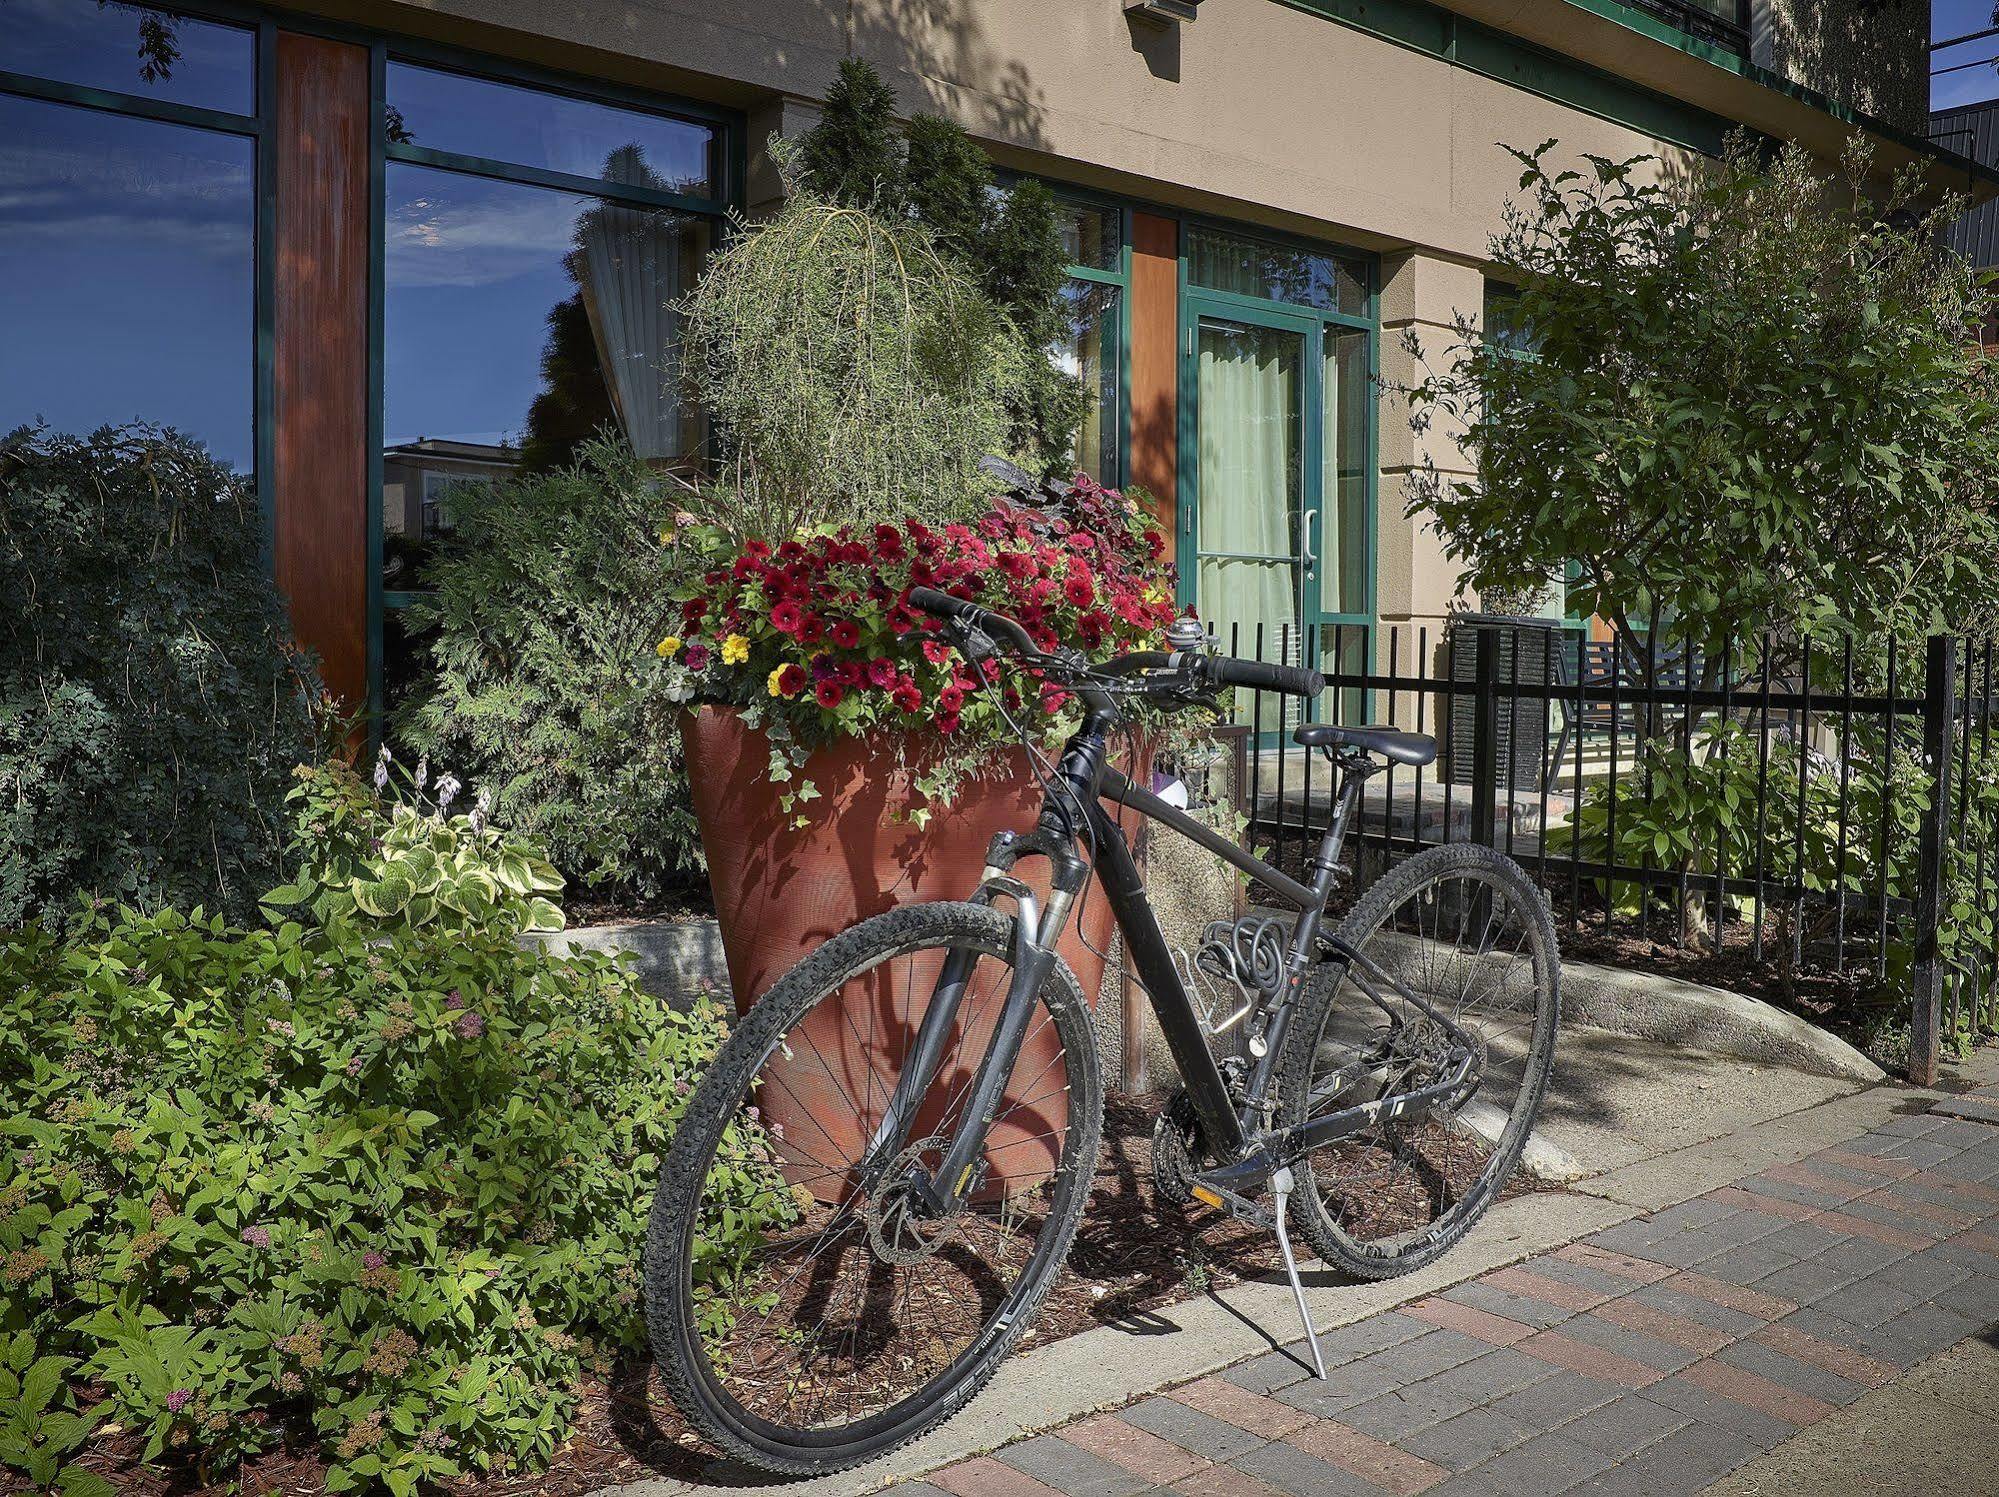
{"points": [[1870, 55]]}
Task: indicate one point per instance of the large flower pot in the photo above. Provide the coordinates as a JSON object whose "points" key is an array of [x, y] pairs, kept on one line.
{"points": [[781, 890]]}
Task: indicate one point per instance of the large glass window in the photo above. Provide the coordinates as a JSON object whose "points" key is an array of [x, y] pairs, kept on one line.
{"points": [[128, 286], [1220, 260], [131, 49], [1093, 351], [536, 250]]}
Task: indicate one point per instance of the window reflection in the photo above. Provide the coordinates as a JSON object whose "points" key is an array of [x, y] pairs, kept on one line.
{"points": [[1092, 236], [1221, 261], [518, 322], [534, 128], [127, 274], [132, 49], [1090, 354]]}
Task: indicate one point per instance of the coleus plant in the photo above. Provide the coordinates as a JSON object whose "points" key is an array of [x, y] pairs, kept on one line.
{"points": [[812, 637]]}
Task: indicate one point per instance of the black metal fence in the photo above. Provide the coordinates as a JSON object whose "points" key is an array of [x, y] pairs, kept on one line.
{"points": [[1774, 814]]}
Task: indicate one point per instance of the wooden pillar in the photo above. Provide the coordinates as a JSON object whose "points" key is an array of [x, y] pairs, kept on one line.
{"points": [[1155, 363], [320, 333]]}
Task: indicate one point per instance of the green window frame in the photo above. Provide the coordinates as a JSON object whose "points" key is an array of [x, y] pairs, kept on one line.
{"points": [[1115, 471]]}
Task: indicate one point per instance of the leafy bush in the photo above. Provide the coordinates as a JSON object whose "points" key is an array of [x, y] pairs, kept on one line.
{"points": [[854, 371], [540, 626], [152, 704], [1008, 240], [375, 1185]]}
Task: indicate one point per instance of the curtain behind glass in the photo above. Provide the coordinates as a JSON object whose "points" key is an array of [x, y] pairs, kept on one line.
{"points": [[1250, 469], [1344, 392], [628, 265]]}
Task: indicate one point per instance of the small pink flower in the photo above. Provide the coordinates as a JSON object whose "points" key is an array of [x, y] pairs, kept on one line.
{"points": [[257, 1237], [372, 1259], [454, 999], [354, 1066], [177, 1400], [470, 1026]]}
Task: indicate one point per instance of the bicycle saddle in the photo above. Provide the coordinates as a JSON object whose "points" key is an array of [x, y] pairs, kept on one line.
{"points": [[1390, 743]]}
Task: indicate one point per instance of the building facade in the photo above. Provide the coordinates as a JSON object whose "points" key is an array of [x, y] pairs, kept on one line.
{"points": [[366, 249]]}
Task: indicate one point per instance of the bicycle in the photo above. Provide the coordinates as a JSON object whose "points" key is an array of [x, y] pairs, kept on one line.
{"points": [[845, 1305]]}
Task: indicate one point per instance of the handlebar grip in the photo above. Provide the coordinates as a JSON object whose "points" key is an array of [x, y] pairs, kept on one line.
{"points": [[1292, 680], [942, 605]]}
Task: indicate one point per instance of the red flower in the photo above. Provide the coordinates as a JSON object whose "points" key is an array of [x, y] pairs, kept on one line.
{"points": [[812, 630], [881, 672], [692, 611], [790, 680], [901, 620], [829, 693], [951, 698], [936, 651], [1017, 564], [947, 722], [846, 633], [848, 672], [888, 541], [907, 697], [1079, 590], [1053, 698], [787, 617]]}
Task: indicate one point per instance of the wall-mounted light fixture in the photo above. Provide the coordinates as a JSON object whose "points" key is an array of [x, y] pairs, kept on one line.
{"points": [[1161, 12]]}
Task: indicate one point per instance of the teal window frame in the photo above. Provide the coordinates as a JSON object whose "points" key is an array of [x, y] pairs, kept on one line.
{"points": [[1192, 298], [1121, 279], [383, 152]]}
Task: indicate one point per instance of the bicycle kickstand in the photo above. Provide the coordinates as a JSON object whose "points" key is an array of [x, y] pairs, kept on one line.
{"points": [[1280, 1185]]}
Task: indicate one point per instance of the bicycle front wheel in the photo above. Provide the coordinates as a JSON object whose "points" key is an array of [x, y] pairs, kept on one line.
{"points": [[1468, 941], [808, 1308]]}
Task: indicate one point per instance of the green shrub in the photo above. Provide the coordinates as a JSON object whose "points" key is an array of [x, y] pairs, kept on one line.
{"points": [[545, 690], [151, 703], [378, 1185]]}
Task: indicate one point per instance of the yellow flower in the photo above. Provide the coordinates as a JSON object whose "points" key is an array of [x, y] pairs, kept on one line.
{"points": [[666, 537], [668, 647], [735, 649], [776, 684]]}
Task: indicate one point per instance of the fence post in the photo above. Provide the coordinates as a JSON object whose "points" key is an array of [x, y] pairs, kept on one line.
{"points": [[1939, 721], [1485, 739]]}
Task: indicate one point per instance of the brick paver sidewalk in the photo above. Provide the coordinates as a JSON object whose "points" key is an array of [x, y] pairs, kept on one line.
{"points": [[1655, 1357]]}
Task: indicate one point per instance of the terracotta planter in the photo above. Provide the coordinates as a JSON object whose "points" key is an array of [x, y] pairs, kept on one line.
{"points": [[781, 891]]}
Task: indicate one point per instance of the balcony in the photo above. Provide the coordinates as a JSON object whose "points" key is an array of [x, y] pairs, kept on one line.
{"points": [[1722, 23]]}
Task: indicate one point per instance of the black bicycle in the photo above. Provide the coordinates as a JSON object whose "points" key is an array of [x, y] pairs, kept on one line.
{"points": [[864, 1266]]}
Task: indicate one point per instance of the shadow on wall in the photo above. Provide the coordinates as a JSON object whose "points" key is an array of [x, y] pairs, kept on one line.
{"points": [[1870, 55]]}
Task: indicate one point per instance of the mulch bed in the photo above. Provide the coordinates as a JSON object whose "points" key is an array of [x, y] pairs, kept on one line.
{"points": [[1131, 1255]]}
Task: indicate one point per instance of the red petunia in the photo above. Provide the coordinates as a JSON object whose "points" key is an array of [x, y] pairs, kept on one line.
{"points": [[829, 694], [846, 633], [888, 541], [1080, 591], [951, 698], [936, 651], [790, 680], [787, 617], [907, 697], [901, 620], [812, 630], [947, 722], [881, 672], [1017, 564]]}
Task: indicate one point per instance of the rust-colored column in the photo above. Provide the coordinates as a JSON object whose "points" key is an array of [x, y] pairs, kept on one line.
{"points": [[1155, 362], [320, 329]]}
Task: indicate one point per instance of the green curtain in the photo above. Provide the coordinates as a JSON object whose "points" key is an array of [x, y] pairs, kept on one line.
{"points": [[1250, 471], [1343, 397]]}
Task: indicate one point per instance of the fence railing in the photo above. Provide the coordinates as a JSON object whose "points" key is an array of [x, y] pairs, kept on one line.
{"points": [[1774, 814]]}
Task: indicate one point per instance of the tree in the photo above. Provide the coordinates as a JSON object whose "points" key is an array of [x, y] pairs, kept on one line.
{"points": [[1008, 240], [1754, 402]]}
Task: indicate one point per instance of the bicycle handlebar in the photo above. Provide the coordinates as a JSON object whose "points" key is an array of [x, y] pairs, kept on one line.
{"points": [[1210, 670]]}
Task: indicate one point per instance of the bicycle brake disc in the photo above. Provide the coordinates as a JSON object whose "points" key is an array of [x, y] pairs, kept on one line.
{"points": [[897, 1231]]}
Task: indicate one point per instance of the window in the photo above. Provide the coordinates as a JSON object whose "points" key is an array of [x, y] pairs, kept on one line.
{"points": [[1093, 351], [536, 245], [128, 282], [1221, 260]]}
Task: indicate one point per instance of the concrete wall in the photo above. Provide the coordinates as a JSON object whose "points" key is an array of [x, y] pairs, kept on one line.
{"points": [[1870, 55]]}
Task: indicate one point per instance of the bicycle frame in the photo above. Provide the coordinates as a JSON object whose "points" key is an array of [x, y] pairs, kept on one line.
{"points": [[1239, 1136]]}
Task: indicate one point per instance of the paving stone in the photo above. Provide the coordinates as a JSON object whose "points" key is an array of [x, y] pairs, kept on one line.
{"points": [[984, 1476], [1514, 1307], [1271, 1371], [1790, 1372], [1218, 1481], [1625, 1341], [1753, 1390], [1290, 1469], [1412, 1361], [1634, 1238], [1712, 1409], [1685, 1249], [1137, 1450], [1622, 1265], [1695, 1213], [1914, 1229], [1966, 1134], [1526, 1282], [1589, 1278], [1865, 1302], [1973, 1251], [1814, 1197], [1254, 1412], [1862, 1253], [1722, 1318], [1923, 1154], [1914, 1125], [1806, 1239], [1690, 1459], [1808, 1282], [1749, 1262], [1493, 1375], [1777, 1206], [1678, 1330], [1834, 1357], [1398, 1415], [1922, 1274], [1393, 1470], [1454, 1315], [1068, 1468], [1544, 1466], [1556, 1399], [1339, 1390], [1191, 1429], [1466, 1439], [1589, 1359], [1977, 1299], [1741, 1226], [1923, 1331], [1751, 1301], [1625, 1425]]}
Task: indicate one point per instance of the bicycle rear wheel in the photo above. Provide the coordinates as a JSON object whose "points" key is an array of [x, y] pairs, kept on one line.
{"points": [[1464, 930], [807, 1312]]}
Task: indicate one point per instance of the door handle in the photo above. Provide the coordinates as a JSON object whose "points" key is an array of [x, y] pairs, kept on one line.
{"points": [[1311, 551]]}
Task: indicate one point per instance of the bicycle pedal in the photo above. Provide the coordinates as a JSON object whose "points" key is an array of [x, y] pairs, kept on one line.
{"points": [[1226, 1200]]}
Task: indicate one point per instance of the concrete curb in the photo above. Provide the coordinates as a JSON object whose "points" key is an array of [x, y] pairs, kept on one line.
{"points": [[674, 959], [1651, 1006]]}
